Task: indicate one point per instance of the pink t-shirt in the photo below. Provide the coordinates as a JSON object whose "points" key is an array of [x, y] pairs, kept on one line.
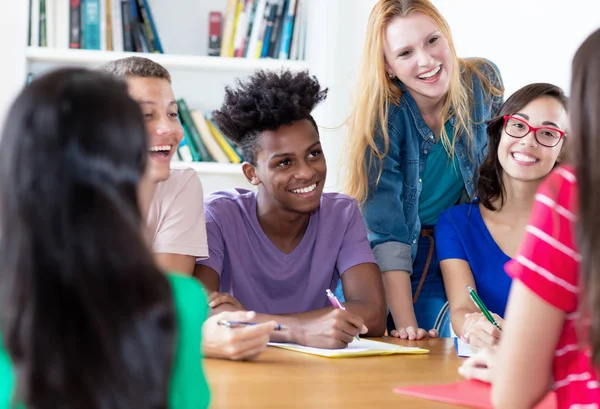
{"points": [[548, 264], [176, 221]]}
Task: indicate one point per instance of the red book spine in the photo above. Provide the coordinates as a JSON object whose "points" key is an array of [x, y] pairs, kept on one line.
{"points": [[75, 24], [215, 23]]}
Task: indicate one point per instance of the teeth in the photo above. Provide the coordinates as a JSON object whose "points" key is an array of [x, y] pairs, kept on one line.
{"points": [[431, 73], [160, 148], [523, 158], [306, 189]]}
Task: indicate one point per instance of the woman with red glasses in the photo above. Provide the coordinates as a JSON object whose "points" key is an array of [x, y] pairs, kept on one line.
{"points": [[476, 240]]}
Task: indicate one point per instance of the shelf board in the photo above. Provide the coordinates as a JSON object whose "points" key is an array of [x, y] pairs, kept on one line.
{"points": [[169, 61], [210, 168]]}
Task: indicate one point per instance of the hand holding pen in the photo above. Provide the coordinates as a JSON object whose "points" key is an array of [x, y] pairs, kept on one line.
{"points": [[337, 304], [236, 341], [481, 329]]}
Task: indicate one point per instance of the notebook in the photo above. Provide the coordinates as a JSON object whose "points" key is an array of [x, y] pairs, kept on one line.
{"points": [[364, 347], [463, 349], [473, 394]]}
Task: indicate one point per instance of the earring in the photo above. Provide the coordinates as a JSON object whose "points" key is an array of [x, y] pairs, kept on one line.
{"points": [[391, 75]]}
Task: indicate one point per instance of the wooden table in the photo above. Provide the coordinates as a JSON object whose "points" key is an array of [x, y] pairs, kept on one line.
{"points": [[287, 379]]}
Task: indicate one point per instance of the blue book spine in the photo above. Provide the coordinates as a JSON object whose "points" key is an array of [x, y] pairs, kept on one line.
{"points": [[157, 42], [287, 31], [265, 50], [91, 24]]}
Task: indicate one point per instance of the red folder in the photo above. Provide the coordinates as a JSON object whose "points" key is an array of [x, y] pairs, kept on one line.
{"points": [[473, 394]]}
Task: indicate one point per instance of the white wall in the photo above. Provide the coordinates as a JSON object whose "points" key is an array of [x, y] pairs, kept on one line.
{"points": [[529, 40]]}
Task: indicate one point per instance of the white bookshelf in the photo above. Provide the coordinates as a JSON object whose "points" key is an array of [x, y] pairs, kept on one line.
{"points": [[170, 61], [201, 80]]}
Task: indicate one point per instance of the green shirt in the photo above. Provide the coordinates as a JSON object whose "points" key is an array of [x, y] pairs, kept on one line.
{"points": [[442, 182], [188, 388]]}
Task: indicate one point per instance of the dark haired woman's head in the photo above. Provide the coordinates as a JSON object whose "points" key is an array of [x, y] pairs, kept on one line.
{"points": [[584, 111], [78, 287], [269, 117], [524, 141]]}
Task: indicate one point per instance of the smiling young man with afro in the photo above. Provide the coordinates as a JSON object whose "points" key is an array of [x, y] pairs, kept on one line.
{"points": [[277, 250]]}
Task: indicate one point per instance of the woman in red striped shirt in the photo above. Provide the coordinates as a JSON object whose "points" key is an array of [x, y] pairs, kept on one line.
{"points": [[555, 296]]}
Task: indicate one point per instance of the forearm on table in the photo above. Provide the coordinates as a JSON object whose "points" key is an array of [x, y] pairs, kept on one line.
{"points": [[398, 292], [372, 313]]}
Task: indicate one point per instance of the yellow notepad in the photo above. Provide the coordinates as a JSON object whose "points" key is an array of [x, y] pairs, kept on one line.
{"points": [[364, 347]]}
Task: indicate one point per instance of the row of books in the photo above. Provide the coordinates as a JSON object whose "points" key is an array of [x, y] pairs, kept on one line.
{"points": [[260, 29], [202, 140], [110, 25]]}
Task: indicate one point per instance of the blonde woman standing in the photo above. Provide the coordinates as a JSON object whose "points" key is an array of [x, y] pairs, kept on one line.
{"points": [[417, 138]]}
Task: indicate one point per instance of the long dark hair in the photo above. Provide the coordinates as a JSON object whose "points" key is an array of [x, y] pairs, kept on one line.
{"points": [[490, 186], [86, 317], [585, 129]]}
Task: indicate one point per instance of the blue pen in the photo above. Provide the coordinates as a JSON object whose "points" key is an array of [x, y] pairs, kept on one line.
{"points": [[236, 324]]}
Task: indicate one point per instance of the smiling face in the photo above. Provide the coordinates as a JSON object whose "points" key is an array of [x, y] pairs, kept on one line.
{"points": [[164, 130], [290, 167], [525, 159], [418, 54]]}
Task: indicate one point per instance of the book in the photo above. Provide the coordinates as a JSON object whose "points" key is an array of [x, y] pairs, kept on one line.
{"points": [[75, 24], [91, 24], [43, 40], [194, 135], [241, 29], [128, 44], [250, 25], [225, 146], [148, 28], [287, 31], [364, 347], [215, 22], [184, 150], [108, 21], [103, 26], [257, 24], [264, 52], [207, 137], [228, 30], [273, 51], [470, 393], [463, 349]]}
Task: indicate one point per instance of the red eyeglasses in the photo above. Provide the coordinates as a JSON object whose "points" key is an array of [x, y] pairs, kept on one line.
{"points": [[545, 136]]}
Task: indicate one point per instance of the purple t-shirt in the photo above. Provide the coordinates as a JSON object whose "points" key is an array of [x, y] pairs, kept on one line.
{"points": [[262, 277]]}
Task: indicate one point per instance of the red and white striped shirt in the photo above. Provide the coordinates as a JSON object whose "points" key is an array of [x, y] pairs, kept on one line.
{"points": [[548, 264]]}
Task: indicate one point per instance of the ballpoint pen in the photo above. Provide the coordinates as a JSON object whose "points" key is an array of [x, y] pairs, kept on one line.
{"points": [[236, 324], [482, 307], [337, 304]]}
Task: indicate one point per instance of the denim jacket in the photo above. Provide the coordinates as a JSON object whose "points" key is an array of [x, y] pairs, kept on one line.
{"points": [[391, 210]]}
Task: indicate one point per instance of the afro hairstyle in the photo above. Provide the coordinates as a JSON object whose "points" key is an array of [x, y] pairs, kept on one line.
{"points": [[265, 101]]}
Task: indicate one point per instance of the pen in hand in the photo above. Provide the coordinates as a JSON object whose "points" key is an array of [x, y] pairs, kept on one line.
{"points": [[237, 324], [482, 307], [337, 304]]}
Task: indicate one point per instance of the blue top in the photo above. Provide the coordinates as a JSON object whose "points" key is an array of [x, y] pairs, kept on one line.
{"points": [[442, 183], [461, 233], [391, 210]]}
